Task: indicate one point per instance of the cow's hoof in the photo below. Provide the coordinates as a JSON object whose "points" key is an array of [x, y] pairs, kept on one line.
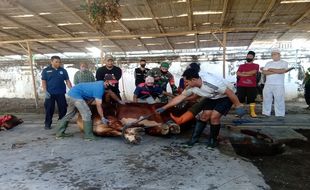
{"points": [[164, 129], [175, 128]]}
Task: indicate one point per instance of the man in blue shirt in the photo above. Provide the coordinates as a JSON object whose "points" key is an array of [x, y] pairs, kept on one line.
{"points": [[53, 85], [78, 96], [147, 92]]}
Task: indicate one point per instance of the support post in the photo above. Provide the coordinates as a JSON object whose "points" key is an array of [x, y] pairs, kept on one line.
{"points": [[32, 74], [224, 53]]}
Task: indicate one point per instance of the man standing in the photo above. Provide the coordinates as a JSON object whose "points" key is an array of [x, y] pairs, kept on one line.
{"points": [[111, 73], [140, 73], [53, 85], [78, 96], [306, 82], [218, 97], [274, 85], [83, 75], [246, 82]]}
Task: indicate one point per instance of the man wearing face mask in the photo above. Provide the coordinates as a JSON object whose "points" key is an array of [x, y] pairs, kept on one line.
{"points": [[246, 82], [147, 92], [108, 72], [140, 73], [83, 75]]}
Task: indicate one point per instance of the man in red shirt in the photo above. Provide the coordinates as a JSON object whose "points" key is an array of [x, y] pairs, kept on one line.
{"points": [[246, 82]]}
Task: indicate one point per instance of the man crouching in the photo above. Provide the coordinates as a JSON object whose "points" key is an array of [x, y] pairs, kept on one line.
{"points": [[217, 98], [78, 96]]}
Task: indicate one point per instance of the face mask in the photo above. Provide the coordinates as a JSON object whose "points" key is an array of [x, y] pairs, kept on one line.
{"points": [[83, 69], [249, 59], [142, 65]]}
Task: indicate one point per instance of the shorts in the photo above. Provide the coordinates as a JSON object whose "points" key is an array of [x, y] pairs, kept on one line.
{"points": [[221, 105]]}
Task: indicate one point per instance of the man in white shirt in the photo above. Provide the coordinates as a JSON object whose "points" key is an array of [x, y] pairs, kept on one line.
{"points": [[274, 85], [218, 95]]}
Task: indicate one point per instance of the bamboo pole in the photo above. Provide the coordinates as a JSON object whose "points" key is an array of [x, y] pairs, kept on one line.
{"points": [[32, 74], [181, 33], [224, 53]]}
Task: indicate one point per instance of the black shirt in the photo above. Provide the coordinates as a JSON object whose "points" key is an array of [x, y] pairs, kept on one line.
{"points": [[115, 72], [140, 75]]}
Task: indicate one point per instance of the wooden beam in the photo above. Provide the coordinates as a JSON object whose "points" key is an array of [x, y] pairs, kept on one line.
{"points": [[224, 53], [189, 14], [224, 10], [218, 40], [158, 27], [181, 33], [269, 8], [11, 51], [32, 74], [66, 7], [295, 23], [18, 37], [301, 17], [127, 30]]}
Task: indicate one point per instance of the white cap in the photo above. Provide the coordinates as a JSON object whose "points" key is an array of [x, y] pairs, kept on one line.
{"points": [[275, 50], [108, 57]]}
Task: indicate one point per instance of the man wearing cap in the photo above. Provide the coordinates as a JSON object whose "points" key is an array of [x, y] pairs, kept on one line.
{"points": [[246, 82], [140, 73], [79, 95], [147, 92], [274, 85], [110, 73], [53, 78], [83, 75]]}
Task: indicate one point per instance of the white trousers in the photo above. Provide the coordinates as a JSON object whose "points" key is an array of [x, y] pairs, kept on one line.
{"points": [[276, 93]]}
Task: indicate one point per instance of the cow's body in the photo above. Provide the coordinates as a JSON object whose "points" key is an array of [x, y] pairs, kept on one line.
{"points": [[156, 124]]}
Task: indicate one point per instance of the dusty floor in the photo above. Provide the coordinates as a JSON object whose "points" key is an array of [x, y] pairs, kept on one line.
{"points": [[35, 160]]}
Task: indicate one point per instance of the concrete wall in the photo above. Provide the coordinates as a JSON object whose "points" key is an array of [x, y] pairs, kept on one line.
{"points": [[16, 81]]}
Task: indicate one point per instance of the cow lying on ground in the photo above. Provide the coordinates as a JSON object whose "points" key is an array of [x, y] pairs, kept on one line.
{"points": [[121, 115], [9, 121]]}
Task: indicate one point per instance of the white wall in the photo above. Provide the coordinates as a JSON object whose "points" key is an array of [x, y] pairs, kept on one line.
{"points": [[16, 81]]}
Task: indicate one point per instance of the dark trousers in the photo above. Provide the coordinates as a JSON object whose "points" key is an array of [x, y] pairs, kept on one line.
{"points": [[307, 94], [49, 106], [247, 94]]}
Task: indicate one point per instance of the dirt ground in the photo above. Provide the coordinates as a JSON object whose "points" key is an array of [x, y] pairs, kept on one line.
{"points": [[290, 170], [287, 171]]}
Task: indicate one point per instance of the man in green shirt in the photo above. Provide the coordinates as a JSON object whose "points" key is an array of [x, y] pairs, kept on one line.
{"points": [[83, 75]]}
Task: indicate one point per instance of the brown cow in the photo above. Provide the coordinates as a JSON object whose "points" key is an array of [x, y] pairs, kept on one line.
{"points": [[121, 115]]}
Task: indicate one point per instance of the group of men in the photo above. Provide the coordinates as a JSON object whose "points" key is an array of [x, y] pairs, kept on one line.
{"points": [[214, 95]]}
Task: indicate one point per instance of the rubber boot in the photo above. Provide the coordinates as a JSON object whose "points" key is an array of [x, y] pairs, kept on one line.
{"points": [[88, 131], [199, 127], [214, 132], [252, 110], [187, 116], [61, 128]]}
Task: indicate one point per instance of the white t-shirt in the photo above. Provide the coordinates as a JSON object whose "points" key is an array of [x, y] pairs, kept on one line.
{"points": [[212, 87], [275, 79]]}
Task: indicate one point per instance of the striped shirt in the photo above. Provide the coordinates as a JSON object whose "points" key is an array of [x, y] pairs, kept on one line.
{"points": [[83, 76]]}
